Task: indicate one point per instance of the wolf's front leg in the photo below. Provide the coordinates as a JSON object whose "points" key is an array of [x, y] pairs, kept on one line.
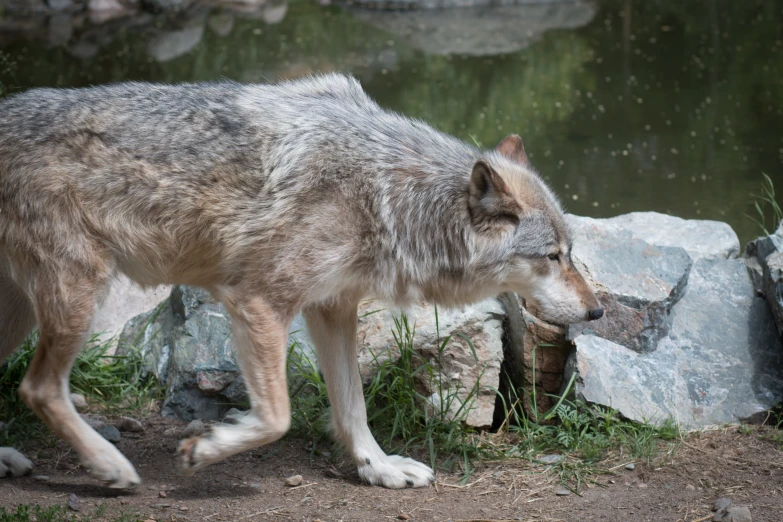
{"points": [[333, 331], [260, 336]]}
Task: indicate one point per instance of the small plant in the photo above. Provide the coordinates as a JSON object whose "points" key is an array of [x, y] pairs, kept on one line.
{"points": [[767, 209]]}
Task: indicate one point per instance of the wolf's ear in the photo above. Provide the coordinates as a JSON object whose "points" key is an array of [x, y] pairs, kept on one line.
{"points": [[513, 148], [490, 204]]}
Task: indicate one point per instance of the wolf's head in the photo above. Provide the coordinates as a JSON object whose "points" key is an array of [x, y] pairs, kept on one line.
{"points": [[515, 212]]}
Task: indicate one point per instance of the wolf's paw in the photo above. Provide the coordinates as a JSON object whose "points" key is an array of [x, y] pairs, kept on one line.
{"points": [[195, 453], [113, 470], [395, 472], [13, 463]]}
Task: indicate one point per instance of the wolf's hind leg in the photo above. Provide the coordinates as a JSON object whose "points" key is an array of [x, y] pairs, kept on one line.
{"points": [[65, 304], [13, 463], [333, 330], [260, 337]]}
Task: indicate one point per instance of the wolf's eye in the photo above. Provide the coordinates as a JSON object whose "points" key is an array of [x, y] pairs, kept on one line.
{"points": [[554, 257]]}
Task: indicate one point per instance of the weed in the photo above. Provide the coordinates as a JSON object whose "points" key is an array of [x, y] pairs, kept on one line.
{"points": [[766, 206], [112, 383], [58, 513]]}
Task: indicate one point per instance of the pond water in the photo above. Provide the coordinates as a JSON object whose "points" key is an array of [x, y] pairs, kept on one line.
{"points": [[624, 105]]}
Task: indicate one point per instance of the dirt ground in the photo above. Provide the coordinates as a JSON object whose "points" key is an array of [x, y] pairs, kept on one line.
{"points": [[744, 467]]}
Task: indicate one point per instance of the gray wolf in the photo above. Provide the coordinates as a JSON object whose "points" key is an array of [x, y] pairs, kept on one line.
{"points": [[299, 196]]}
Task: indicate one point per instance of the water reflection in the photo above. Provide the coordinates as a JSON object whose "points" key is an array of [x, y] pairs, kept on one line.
{"points": [[624, 105]]}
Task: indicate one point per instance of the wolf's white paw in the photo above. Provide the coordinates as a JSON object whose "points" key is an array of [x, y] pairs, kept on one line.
{"points": [[395, 472], [113, 470], [13, 463]]}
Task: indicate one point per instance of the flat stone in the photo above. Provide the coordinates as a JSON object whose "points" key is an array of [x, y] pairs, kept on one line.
{"points": [[636, 282], [110, 433], [721, 363], [701, 239], [549, 459], [293, 481], [129, 424], [194, 429], [562, 492], [630, 466]]}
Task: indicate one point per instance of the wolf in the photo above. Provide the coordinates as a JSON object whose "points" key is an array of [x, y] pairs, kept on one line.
{"points": [[300, 196]]}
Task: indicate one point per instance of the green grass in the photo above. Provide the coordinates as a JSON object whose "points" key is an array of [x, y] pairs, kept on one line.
{"points": [[404, 420], [58, 513], [768, 212], [111, 384]]}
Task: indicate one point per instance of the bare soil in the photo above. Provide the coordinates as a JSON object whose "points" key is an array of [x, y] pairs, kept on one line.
{"points": [[745, 467]]}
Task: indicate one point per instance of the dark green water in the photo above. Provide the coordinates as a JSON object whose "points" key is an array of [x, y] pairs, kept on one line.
{"points": [[670, 106]]}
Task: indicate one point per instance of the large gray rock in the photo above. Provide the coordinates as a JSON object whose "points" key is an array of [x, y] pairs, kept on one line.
{"points": [[722, 361], [172, 44], [462, 372], [700, 238], [637, 283]]}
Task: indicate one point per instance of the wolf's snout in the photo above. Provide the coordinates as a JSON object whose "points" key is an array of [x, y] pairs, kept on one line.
{"points": [[595, 313]]}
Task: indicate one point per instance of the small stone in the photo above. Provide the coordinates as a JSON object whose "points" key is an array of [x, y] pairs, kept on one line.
{"points": [[255, 486], [690, 487], [94, 421], [642, 485], [550, 459], [128, 424], [183, 508], [194, 429], [295, 480], [41, 477], [735, 514], [562, 492], [73, 502], [109, 433], [162, 494], [721, 503], [79, 402], [403, 516], [630, 467]]}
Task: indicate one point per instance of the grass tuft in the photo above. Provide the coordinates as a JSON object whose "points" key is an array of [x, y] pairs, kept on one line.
{"points": [[766, 206]]}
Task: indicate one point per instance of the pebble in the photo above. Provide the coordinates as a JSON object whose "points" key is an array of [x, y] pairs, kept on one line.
{"points": [[721, 503], [194, 429], [295, 480], [630, 467], [403, 516], [562, 492], [95, 421], [109, 433], [255, 486], [73, 502], [550, 459], [690, 487], [128, 424], [41, 477], [162, 494], [733, 514], [79, 402]]}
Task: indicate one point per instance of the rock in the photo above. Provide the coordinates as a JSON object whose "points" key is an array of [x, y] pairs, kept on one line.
{"points": [[128, 424], [721, 503], [162, 494], [110, 433], [194, 429], [720, 363], [79, 402], [699, 238], [172, 44], [733, 514], [94, 421], [637, 283], [293, 481], [477, 28], [235, 416], [549, 459], [463, 372], [42, 478], [562, 492], [527, 337], [764, 258], [73, 502], [630, 467], [125, 299]]}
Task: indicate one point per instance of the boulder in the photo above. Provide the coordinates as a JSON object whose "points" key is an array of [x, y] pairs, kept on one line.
{"points": [[463, 372], [172, 44], [721, 361], [636, 282]]}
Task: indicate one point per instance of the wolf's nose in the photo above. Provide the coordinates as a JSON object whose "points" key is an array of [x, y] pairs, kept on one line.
{"points": [[595, 314]]}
